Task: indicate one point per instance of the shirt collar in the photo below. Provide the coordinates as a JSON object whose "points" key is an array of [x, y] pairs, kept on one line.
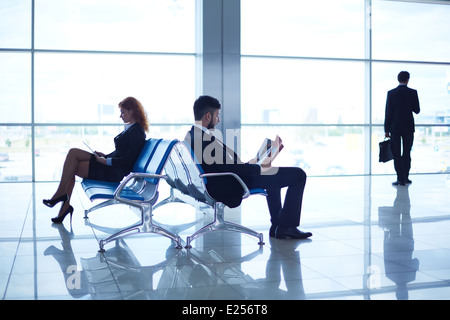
{"points": [[205, 130], [128, 126]]}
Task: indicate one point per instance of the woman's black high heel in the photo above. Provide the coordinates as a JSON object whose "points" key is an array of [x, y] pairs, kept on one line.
{"points": [[60, 219], [52, 203]]}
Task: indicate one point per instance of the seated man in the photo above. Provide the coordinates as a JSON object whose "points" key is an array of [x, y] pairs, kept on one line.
{"points": [[214, 156]]}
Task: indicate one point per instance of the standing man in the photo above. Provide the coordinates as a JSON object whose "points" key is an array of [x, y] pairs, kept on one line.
{"points": [[401, 102], [214, 156]]}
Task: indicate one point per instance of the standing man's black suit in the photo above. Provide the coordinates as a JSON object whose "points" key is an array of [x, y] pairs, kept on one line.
{"points": [[401, 102], [214, 156]]}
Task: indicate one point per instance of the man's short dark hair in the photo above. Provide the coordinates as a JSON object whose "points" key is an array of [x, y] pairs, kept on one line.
{"points": [[403, 76], [203, 105]]}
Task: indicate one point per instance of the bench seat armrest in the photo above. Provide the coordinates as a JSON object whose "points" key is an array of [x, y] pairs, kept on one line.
{"points": [[220, 174], [131, 176]]}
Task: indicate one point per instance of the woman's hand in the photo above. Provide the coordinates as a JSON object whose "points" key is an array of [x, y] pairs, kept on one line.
{"points": [[100, 157]]}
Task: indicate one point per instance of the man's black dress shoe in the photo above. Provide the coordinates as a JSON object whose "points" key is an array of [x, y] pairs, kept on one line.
{"points": [[291, 233], [398, 183], [272, 230]]}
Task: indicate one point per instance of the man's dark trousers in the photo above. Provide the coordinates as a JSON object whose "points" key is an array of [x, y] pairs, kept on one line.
{"points": [[402, 161], [288, 214]]}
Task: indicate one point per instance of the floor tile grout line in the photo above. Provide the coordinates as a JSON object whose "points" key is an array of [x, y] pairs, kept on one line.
{"points": [[101, 253], [32, 196]]}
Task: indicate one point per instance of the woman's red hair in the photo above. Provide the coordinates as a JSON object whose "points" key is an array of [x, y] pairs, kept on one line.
{"points": [[139, 114]]}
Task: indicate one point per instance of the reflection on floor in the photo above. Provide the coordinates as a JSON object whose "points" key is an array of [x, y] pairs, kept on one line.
{"points": [[370, 241]]}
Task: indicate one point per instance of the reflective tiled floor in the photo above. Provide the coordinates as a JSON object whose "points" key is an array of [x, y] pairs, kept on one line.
{"points": [[370, 241]]}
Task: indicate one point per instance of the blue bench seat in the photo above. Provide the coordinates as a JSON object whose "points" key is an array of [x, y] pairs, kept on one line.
{"points": [[95, 189], [139, 190]]}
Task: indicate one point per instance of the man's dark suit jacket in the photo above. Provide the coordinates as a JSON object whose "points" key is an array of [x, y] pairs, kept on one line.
{"points": [[401, 102], [212, 155]]}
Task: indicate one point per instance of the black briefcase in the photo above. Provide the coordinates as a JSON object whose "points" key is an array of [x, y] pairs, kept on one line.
{"points": [[385, 151]]}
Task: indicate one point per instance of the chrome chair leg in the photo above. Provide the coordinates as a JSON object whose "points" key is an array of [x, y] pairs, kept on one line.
{"points": [[145, 226], [219, 223]]}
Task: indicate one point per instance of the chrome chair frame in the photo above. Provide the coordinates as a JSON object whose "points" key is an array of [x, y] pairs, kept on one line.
{"points": [[145, 207], [195, 183], [219, 222]]}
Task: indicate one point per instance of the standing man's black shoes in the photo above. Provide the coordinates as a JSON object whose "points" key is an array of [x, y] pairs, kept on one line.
{"points": [[291, 233], [272, 230], [398, 183]]}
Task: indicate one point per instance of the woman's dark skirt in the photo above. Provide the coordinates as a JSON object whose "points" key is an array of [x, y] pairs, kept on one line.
{"points": [[98, 171]]}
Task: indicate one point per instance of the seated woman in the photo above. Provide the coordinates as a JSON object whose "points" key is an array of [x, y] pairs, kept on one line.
{"points": [[98, 166]]}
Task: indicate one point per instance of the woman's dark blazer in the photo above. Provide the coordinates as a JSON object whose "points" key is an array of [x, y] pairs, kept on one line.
{"points": [[128, 145]]}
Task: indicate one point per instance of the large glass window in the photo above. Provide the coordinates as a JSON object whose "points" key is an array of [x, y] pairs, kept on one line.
{"points": [[310, 71], [319, 72], [15, 87], [414, 37], [431, 82], [410, 31], [325, 28], [15, 153], [319, 150], [315, 98], [86, 88], [302, 91], [116, 25], [86, 56], [53, 143], [430, 153], [15, 24]]}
